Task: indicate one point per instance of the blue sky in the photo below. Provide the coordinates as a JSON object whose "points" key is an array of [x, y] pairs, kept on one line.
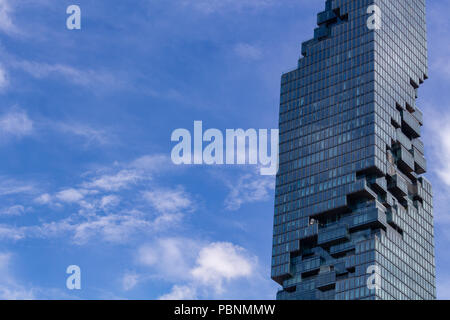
{"points": [[85, 124]]}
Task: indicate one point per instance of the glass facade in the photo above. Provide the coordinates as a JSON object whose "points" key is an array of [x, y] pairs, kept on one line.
{"points": [[353, 215]]}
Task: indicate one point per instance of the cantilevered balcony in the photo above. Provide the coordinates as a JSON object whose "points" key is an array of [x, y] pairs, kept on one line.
{"points": [[405, 160], [326, 16], [403, 140], [418, 144], [322, 32], [410, 125], [417, 191], [361, 189], [332, 235], [418, 115], [419, 162], [308, 232], [370, 218], [308, 265], [341, 248], [326, 281], [379, 184], [398, 186]]}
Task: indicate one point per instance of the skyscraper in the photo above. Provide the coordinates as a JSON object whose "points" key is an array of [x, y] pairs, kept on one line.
{"points": [[353, 213]]}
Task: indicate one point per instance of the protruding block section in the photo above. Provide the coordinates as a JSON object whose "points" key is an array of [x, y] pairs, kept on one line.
{"points": [[418, 115], [326, 281], [327, 16], [419, 162], [403, 140], [405, 160], [322, 32], [418, 144], [398, 186], [329, 236], [410, 125]]}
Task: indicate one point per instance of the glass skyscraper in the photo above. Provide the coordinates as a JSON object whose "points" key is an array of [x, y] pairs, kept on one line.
{"points": [[353, 213]]}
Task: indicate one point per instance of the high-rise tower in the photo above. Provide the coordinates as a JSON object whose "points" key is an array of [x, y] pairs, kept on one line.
{"points": [[353, 215]]}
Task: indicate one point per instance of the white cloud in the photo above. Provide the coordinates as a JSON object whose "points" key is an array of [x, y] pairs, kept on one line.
{"points": [[6, 23], [249, 188], [169, 257], [129, 281], [43, 199], [85, 78], [70, 195], [444, 139], [112, 228], [10, 186], [4, 81], [16, 210], [10, 289], [114, 182], [115, 228], [201, 268], [248, 51], [222, 261], [169, 200], [99, 215], [88, 224], [15, 123], [11, 233], [124, 176], [91, 135], [109, 201], [152, 163], [180, 293]]}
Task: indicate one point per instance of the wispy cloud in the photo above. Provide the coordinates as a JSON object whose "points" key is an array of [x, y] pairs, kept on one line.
{"points": [[114, 228], [99, 210], [119, 227], [10, 288], [124, 176], [180, 293], [15, 210], [89, 134], [43, 199], [4, 81], [169, 258], [86, 78], [10, 186], [15, 123], [70, 195], [169, 200], [115, 181], [130, 280], [11, 233], [213, 6], [248, 188], [6, 24], [438, 139], [247, 51]]}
